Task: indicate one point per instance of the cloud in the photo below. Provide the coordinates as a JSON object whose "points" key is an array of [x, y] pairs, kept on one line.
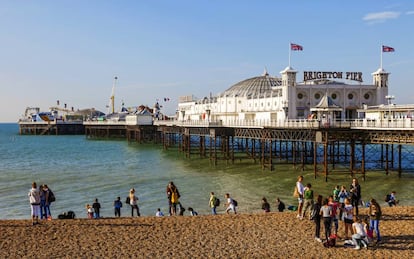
{"points": [[409, 12], [380, 17]]}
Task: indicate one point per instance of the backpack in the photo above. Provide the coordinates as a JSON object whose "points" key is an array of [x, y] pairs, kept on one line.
{"points": [[331, 241], [128, 200], [296, 192], [51, 197], [234, 202], [387, 197], [216, 202]]}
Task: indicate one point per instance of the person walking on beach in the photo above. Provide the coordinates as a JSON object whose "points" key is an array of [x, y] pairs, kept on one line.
{"points": [[299, 189], [96, 208], [213, 203], [133, 201], [117, 207], [374, 218], [230, 204], [34, 199], [316, 217], [173, 197], [355, 190], [307, 199]]}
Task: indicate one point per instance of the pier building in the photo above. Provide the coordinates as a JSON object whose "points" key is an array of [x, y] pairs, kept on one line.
{"points": [[269, 98]]}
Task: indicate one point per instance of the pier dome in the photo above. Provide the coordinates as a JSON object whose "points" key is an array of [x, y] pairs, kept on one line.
{"points": [[253, 87]]}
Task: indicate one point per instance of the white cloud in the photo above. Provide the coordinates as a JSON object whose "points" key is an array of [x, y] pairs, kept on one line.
{"points": [[409, 13], [380, 17]]}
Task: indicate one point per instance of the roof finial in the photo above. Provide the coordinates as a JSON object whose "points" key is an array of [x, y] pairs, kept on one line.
{"points": [[265, 72]]}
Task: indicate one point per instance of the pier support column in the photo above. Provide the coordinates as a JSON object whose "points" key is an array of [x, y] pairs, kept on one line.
{"points": [[399, 161], [386, 160], [363, 161]]}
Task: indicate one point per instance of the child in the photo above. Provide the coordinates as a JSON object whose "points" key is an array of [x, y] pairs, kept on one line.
{"points": [[89, 211], [308, 199], [192, 212], [392, 201], [348, 213], [280, 205], [229, 204], [265, 205], [117, 207], [159, 213], [335, 207], [336, 193], [370, 234]]}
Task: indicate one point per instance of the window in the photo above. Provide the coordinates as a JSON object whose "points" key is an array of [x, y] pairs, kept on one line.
{"points": [[366, 96], [300, 96], [350, 96], [317, 96], [333, 96]]}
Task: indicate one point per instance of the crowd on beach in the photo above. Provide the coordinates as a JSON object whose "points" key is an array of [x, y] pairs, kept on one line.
{"points": [[341, 205]]}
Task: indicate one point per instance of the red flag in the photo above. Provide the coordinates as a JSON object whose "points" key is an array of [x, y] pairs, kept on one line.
{"points": [[295, 47], [387, 49]]}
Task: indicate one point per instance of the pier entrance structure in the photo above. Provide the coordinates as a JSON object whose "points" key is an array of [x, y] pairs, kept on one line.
{"points": [[267, 98]]}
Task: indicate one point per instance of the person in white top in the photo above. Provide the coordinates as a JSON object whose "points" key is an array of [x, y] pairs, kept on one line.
{"points": [[159, 213], [34, 199], [300, 188], [359, 235], [230, 204]]}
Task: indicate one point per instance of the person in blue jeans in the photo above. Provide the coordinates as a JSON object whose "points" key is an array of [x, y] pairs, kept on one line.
{"points": [[212, 203], [374, 218], [44, 202]]}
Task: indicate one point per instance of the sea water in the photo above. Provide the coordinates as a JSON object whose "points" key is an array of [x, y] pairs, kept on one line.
{"points": [[79, 169]]}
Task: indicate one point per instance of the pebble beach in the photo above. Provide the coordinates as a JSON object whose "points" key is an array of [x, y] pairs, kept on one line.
{"points": [[259, 235]]}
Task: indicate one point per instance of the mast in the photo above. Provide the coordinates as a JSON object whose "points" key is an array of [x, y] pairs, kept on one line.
{"points": [[112, 98]]}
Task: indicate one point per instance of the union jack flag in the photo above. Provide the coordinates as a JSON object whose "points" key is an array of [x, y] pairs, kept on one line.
{"points": [[387, 49], [295, 47]]}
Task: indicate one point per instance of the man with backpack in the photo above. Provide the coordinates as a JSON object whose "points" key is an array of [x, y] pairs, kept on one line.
{"points": [[214, 202]]}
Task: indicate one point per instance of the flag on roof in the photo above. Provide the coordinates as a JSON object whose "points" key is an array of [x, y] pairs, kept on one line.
{"points": [[387, 49], [296, 47]]}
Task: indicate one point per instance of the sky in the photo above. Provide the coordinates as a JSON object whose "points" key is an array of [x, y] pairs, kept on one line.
{"points": [[71, 50]]}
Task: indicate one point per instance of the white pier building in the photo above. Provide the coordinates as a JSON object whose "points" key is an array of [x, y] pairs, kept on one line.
{"points": [[320, 95]]}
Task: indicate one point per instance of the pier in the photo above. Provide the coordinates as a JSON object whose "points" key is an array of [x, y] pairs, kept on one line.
{"points": [[338, 147]]}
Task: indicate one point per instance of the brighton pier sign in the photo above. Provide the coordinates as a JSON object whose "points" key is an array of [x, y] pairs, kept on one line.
{"points": [[315, 75]]}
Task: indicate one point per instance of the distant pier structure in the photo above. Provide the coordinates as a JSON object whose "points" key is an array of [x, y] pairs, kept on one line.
{"points": [[332, 126]]}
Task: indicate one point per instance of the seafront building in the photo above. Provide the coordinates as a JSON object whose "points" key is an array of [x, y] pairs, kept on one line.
{"points": [[321, 95]]}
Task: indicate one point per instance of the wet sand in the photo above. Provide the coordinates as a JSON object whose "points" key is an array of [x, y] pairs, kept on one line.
{"points": [[271, 235]]}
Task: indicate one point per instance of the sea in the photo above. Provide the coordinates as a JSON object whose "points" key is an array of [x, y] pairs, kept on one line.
{"points": [[79, 169]]}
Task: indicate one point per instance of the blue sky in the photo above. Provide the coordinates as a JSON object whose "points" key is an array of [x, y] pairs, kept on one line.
{"points": [[71, 50]]}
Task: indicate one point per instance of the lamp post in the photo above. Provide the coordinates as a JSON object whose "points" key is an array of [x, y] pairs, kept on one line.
{"points": [[208, 111], [183, 114], [389, 99], [286, 108]]}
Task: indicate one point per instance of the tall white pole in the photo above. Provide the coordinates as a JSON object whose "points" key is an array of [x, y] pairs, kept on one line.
{"points": [[381, 58], [290, 50]]}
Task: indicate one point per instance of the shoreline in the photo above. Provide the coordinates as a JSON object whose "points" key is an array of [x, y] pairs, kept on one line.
{"points": [[246, 235]]}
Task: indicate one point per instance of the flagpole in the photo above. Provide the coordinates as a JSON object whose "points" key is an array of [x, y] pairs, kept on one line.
{"points": [[290, 50], [381, 57]]}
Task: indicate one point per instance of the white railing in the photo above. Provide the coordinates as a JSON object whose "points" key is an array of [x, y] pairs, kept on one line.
{"points": [[396, 124]]}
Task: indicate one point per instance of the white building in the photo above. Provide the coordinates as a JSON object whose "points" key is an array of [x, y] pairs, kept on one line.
{"points": [[273, 99]]}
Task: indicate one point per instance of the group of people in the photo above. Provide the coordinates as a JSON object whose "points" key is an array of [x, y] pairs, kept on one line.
{"points": [[40, 200], [341, 205]]}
